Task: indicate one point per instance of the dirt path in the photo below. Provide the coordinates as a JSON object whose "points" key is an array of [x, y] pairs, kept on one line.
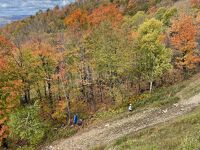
{"points": [[119, 128]]}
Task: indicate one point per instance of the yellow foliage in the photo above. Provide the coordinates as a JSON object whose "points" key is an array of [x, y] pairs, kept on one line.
{"points": [[60, 111]]}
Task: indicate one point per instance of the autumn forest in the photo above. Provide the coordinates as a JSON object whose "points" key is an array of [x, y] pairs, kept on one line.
{"points": [[90, 56]]}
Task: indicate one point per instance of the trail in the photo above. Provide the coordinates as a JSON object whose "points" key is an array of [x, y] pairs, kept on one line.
{"points": [[115, 129]]}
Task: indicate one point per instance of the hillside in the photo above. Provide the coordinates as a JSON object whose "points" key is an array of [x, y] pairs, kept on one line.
{"points": [[70, 73], [181, 133], [131, 123]]}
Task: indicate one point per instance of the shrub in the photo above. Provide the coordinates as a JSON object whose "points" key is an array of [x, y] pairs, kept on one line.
{"points": [[60, 114], [25, 124]]}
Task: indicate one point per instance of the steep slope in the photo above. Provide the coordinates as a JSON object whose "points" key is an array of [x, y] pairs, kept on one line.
{"points": [[106, 133]]}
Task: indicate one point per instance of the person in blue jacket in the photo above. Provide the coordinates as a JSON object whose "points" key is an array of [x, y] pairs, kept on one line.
{"points": [[75, 119]]}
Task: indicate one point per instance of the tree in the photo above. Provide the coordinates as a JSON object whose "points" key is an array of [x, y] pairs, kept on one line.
{"points": [[9, 99], [10, 88], [165, 15], [78, 23], [184, 39], [106, 13], [26, 125], [111, 50], [135, 21], [77, 20], [152, 56]]}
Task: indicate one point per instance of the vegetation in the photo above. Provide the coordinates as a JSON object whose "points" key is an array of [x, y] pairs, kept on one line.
{"points": [[26, 125], [181, 133], [89, 57]]}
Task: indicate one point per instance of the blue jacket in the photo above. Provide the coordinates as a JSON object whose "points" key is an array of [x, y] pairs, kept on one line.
{"points": [[75, 119]]}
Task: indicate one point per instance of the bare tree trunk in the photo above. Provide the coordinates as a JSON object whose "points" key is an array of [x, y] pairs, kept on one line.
{"points": [[39, 92], [100, 86], [59, 94], [67, 99], [28, 94], [91, 88], [150, 86], [112, 74], [45, 90], [49, 91], [83, 73]]}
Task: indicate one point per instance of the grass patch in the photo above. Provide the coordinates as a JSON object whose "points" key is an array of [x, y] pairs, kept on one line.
{"points": [[60, 133], [180, 134], [164, 96], [57, 133], [192, 91], [161, 97]]}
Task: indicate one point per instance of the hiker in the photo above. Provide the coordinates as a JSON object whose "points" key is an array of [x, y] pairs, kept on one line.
{"points": [[75, 119], [130, 107]]}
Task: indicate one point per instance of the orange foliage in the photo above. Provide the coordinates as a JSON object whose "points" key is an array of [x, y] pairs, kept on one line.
{"points": [[183, 37], [134, 35], [198, 22], [8, 96], [77, 20], [42, 49], [2, 64], [60, 111], [5, 46], [106, 13], [152, 10], [81, 20], [9, 90]]}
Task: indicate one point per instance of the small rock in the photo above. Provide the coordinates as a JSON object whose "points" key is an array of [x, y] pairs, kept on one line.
{"points": [[107, 125], [164, 111], [176, 104]]}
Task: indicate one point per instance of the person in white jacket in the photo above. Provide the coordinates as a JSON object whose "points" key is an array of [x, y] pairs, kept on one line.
{"points": [[130, 107]]}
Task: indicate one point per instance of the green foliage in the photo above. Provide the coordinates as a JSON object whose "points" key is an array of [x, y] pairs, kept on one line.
{"points": [[25, 124], [136, 20], [103, 61], [165, 15], [160, 12], [109, 47], [112, 54], [154, 59], [158, 98]]}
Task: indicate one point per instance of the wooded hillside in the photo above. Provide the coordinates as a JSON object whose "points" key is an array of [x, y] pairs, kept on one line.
{"points": [[90, 56]]}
